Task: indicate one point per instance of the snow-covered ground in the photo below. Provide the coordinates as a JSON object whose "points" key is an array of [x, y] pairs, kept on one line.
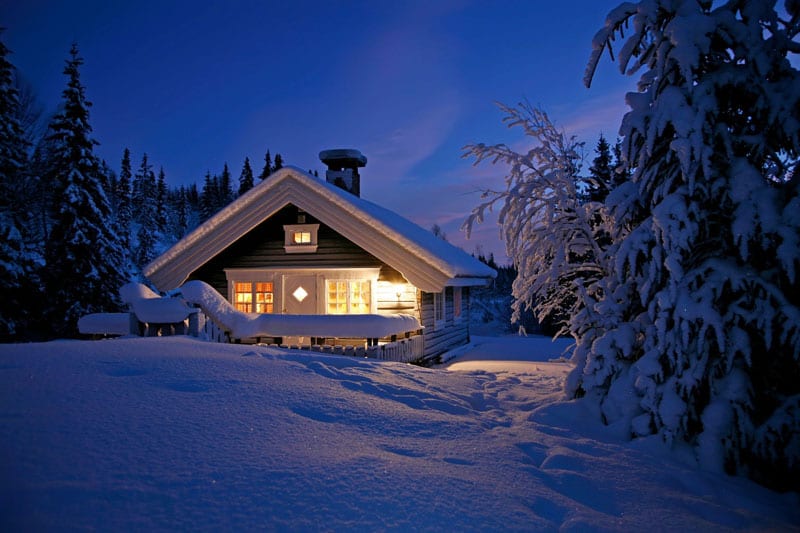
{"points": [[177, 434]]}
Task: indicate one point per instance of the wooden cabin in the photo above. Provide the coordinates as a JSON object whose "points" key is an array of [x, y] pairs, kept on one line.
{"points": [[297, 244]]}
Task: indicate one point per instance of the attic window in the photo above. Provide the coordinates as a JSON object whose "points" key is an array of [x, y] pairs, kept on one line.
{"points": [[300, 238]]}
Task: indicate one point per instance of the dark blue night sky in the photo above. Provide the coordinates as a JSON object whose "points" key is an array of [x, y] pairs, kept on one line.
{"points": [[407, 83]]}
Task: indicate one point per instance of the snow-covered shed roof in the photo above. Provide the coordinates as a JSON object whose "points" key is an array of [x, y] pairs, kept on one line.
{"points": [[425, 260]]}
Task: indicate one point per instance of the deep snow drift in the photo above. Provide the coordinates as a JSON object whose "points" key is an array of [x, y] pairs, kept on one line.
{"points": [[176, 433]]}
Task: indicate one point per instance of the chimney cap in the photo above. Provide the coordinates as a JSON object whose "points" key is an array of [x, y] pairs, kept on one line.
{"points": [[343, 158]]}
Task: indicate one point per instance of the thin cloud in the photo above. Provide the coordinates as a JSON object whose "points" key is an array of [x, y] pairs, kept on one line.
{"points": [[602, 114], [397, 152]]}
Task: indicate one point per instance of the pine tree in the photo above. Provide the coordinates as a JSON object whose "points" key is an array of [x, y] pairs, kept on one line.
{"points": [[225, 191], [622, 171], [161, 202], [145, 194], [145, 204], [30, 112], [17, 266], [698, 336], [278, 163], [110, 185], [246, 178], [146, 245], [267, 170], [40, 195], [12, 143], [124, 207], [18, 262], [181, 213], [193, 198], [601, 173], [602, 179], [208, 198], [84, 265]]}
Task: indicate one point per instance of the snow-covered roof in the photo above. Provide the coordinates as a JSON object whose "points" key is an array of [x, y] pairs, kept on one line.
{"points": [[425, 260]]}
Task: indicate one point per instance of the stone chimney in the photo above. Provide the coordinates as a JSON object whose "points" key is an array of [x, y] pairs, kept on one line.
{"points": [[343, 165]]}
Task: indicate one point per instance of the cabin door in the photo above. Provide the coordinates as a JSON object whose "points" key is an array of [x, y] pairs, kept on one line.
{"points": [[300, 295]]}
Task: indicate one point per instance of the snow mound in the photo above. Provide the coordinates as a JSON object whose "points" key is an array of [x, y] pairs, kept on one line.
{"points": [[151, 308], [104, 324], [131, 292], [173, 433]]}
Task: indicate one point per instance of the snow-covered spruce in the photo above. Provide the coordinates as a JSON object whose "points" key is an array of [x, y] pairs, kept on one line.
{"points": [[19, 262], [84, 262], [698, 336]]}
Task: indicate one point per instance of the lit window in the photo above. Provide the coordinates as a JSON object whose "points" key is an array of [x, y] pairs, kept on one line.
{"points": [[337, 297], [243, 297], [353, 297], [245, 293], [264, 297], [359, 297], [302, 237]]}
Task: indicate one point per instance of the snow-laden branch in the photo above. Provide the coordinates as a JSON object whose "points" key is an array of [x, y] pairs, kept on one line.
{"points": [[550, 234]]}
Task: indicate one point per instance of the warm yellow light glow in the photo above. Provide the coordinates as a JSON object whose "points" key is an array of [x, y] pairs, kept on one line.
{"points": [[398, 289], [302, 237], [244, 293]]}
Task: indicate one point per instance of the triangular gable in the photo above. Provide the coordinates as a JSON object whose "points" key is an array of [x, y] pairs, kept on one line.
{"points": [[425, 260]]}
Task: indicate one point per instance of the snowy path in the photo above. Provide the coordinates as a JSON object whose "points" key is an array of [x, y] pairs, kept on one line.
{"points": [[181, 434]]}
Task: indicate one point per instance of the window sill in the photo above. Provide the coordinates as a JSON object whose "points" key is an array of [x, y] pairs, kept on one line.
{"points": [[300, 248]]}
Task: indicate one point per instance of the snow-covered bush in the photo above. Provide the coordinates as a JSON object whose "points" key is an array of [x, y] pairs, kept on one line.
{"points": [[700, 317]]}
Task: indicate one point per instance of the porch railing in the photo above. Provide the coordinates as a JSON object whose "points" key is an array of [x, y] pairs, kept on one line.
{"points": [[404, 350]]}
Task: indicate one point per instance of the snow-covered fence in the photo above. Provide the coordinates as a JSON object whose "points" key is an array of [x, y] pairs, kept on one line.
{"points": [[402, 350], [405, 350], [210, 329], [355, 335]]}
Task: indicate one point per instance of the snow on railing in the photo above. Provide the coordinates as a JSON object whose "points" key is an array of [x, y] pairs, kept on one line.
{"points": [[402, 350], [210, 329], [220, 322], [154, 315], [253, 325]]}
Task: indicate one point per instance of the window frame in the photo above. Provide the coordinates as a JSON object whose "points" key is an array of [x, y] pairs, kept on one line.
{"points": [[252, 303], [277, 276], [291, 246], [349, 293], [458, 299], [439, 315]]}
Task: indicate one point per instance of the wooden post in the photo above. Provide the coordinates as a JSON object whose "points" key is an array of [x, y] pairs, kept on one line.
{"points": [[194, 324], [133, 324]]}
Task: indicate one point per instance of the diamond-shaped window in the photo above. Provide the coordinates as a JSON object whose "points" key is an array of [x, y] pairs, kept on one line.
{"points": [[300, 294]]}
